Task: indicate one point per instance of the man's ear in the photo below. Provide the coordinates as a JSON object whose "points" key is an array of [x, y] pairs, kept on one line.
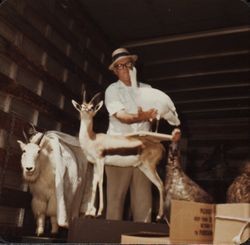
{"points": [[114, 72], [98, 106], [22, 145], [76, 105]]}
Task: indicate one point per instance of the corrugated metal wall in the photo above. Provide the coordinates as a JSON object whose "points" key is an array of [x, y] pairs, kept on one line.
{"points": [[47, 56]]}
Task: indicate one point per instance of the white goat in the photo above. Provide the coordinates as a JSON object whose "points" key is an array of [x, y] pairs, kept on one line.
{"points": [[39, 174], [45, 165], [96, 146], [147, 98]]}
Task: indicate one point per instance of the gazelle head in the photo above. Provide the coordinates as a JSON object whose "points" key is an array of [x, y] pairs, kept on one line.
{"points": [[88, 109]]}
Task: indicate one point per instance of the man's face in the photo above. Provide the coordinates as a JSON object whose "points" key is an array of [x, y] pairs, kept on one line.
{"points": [[121, 68]]}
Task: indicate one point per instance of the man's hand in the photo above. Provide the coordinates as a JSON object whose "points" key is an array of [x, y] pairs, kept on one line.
{"points": [[140, 116], [176, 135], [149, 115]]}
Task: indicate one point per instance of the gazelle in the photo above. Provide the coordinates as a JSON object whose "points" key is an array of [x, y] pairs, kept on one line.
{"points": [[98, 145]]}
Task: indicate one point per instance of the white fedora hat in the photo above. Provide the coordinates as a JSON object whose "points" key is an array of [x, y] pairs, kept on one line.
{"points": [[119, 54]]}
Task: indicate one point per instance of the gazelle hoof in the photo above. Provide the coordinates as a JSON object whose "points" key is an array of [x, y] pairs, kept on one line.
{"points": [[158, 217], [91, 212]]}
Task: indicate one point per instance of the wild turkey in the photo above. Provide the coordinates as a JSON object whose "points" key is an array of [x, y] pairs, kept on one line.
{"points": [[239, 190], [178, 185]]}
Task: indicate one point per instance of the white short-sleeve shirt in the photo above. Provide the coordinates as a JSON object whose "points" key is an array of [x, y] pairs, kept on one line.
{"points": [[119, 97]]}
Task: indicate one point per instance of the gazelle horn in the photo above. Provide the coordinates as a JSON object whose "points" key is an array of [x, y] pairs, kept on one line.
{"points": [[84, 96], [95, 96]]}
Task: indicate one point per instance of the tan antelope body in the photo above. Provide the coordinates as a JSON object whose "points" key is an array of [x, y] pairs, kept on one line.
{"points": [[96, 145]]}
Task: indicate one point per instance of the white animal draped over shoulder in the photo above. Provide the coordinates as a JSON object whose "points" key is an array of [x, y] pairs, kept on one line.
{"points": [[147, 98]]}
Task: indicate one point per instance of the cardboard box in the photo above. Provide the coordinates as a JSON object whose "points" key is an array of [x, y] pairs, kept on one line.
{"points": [[193, 222], [230, 220], [145, 238]]}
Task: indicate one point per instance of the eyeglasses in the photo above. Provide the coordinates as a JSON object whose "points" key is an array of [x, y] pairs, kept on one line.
{"points": [[122, 66]]}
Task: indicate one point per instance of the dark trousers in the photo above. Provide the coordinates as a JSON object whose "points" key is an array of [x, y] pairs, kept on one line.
{"points": [[119, 179]]}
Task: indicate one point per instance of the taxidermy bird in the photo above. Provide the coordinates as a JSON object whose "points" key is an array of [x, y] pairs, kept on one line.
{"points": [[239, 190], [178, 185], [147, 98]]}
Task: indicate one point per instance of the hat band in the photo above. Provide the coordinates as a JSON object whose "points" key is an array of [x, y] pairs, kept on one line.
{"points": [[119, 55]]}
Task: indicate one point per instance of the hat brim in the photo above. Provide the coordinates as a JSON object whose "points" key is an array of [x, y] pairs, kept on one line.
{"points": [[132, 57]]}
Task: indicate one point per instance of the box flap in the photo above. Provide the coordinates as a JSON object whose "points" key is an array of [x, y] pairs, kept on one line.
{"points": [[231, 221]]}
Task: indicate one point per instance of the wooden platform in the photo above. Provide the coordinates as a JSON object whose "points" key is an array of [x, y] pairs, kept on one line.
{"points": [[84, 230]]}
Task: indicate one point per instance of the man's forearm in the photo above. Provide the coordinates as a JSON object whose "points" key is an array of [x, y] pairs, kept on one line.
{"points": [[130, 118]]}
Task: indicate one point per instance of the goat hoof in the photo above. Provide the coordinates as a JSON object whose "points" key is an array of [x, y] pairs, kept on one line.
{"points": [[54, 231], [39, 231], [88, 216], [99, 213]]}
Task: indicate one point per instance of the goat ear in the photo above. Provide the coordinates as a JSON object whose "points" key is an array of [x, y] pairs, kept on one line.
{"points": [[76, 105], [22, 145], [98, 106]]}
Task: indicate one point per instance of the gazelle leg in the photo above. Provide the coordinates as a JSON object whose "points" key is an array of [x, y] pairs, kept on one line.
{"points": [[91, 210], [100, 184], [156, 180]]}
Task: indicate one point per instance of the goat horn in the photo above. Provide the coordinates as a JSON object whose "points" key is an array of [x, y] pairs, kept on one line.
{"points": [[25, 137], [40, 140], [32, 130], [95, 96]]}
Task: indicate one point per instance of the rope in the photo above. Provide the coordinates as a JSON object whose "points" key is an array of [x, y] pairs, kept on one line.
{"points": [[237, 238]]}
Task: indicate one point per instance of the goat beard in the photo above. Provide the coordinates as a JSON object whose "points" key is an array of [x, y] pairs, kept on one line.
{"points": [[30, 177]]}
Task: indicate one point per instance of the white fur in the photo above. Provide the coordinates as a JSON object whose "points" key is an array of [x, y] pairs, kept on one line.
{"points": [[39, 174], [53, 172], [148, 98]]}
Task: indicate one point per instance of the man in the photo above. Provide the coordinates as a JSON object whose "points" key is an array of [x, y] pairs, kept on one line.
{"points": [[126, 117]]}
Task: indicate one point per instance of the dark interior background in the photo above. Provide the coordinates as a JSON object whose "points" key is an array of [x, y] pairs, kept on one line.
{"points": [[195, 51], [198, 53]]}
